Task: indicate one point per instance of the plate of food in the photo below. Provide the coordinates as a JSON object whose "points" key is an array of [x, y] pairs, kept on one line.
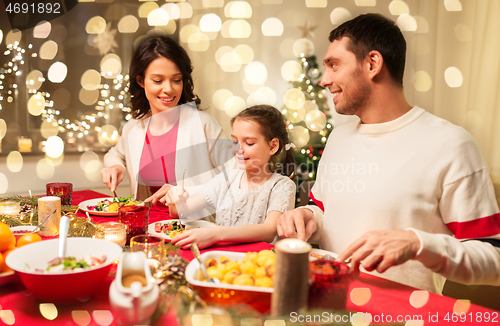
{"points": [[321, 254], [169, 229], [107, 206]]}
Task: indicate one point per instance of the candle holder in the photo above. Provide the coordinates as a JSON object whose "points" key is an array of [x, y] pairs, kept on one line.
{"points": [[329, 283], [135, 218], [113, 232], [10, 208], [61, 189], [46, 206], [24, 144]]}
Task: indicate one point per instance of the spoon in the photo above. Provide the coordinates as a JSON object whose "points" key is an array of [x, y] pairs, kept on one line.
{"points": [[40, 225], [63, 234], [196, 252]]}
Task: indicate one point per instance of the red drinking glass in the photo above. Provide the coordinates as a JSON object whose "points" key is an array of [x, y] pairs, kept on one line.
{"points": [[64, 190], [328, 284], [135, 218]]}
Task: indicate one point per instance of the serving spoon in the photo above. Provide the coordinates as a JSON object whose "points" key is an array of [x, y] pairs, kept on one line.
{"points": [[63, 235], [196, 252]]}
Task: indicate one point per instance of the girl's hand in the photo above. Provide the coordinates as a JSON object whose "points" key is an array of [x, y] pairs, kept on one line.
{"points": [[158, 196], [204, 237], [175, 195]]}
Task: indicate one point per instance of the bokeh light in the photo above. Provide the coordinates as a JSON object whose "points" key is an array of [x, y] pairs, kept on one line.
{"points": [[128, 24], [13, 36], [291, 70], [57, 72], [340, 15], [461, 307], [158, 17], [236, 29], [238, 9], [34, 80], [88, 97], [365, 3], [49, 128], [419, 298], [315, 120], [360, 296], [269, 93], [108, 135], [220, 98], [453, 5], [90, 79], [42, 29], [407, 23], [303, 47], [245, 53], [286, 48], [316, 3], [36, 104], [4, 185], [361, 319], [146, 8], [3, 128], [219, 54], [250, 87], [272, 27], [230, 62], [81, 317], [54, 147], [172, 9], [234, 105], [417, 322], [299, 136], [294, 115], [306, 108], [463, 33], [95, 25], [453, 77], [188, 30], [48, 311], [48, 50], [7, 316], [111, 66], [294, 98], [256, 72], [186, 10], [398, 7], [45, 169], [1, 36], [89, 161], [422, 24], [198, 42], [102, 317], [210, 23], [422, 81], [14, 161]]}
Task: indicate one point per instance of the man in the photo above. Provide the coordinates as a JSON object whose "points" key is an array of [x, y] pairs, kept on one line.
{"points": [[401, 190]]}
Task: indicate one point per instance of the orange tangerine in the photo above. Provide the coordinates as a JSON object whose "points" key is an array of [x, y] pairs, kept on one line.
{"points": [[28, 238], [6, 237]]}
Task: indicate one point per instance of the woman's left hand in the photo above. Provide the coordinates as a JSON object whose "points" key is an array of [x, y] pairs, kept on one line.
{"points": [[204, 237], [158, 196]]}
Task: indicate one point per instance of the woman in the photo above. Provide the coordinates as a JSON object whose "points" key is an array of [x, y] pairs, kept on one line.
{"points": [[168, 134]]}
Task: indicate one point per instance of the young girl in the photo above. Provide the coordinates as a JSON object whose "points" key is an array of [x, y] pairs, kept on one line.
{"points": [[247, 201]]}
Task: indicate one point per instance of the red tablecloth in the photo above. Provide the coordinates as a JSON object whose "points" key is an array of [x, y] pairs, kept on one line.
{"points": [[384, 300]]}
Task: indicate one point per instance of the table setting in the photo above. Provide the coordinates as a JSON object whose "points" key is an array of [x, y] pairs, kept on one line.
{"points": [[142, 278]]}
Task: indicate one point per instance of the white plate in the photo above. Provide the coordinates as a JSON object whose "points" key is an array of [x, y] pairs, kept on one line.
{"points": [[189, 224], [320, 252], [23, 229], [92, 202]]}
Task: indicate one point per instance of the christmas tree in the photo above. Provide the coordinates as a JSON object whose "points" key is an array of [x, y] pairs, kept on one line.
{"points": [[307, 113]]}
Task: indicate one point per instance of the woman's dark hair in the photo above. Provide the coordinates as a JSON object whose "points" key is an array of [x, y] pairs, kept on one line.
{"points": [[375, 32], [148, 50], [272, 125]]}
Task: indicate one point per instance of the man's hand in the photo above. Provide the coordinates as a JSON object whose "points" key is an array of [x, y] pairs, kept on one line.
{"points": [[298, 223], [159, 195], [379, 250], [112, 176]]}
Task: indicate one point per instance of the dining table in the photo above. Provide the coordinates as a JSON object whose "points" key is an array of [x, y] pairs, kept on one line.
{"points": [[371, 300]]}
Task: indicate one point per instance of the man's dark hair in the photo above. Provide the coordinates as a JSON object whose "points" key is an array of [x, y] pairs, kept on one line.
{"points": [[375, 32]]}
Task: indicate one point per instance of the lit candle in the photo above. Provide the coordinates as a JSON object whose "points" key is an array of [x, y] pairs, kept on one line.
{"points": [[47, 205], [113, 232], [24, 144], [10, 208]]}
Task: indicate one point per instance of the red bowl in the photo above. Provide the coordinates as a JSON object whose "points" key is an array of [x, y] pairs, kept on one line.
{"points": [[67, 287]]}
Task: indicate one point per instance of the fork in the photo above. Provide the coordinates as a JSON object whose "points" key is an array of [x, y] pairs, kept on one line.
{"points": [[182, 212]]}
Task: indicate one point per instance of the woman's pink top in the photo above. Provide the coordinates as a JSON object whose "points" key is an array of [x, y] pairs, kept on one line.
{"points": [[157, 165]]}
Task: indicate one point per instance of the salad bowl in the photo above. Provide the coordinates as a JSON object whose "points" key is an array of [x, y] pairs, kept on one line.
{"points": [[30, 263]]}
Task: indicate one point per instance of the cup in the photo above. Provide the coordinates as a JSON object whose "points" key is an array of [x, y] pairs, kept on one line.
{"points": [[10, 207], [153, 247], [61, 189], [135, 218], [328, 284], [47, 205], [113, 232]]}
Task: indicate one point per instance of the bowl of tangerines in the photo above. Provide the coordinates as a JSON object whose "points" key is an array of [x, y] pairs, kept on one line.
{"points": [[10, 241]]}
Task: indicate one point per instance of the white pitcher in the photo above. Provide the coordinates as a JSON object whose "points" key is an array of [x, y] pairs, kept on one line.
{"points": [[133, 303]]}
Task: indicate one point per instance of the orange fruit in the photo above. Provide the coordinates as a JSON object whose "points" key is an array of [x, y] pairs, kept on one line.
{"points": [[28, 238], [5, 268], [2, 263], [6, 237]]}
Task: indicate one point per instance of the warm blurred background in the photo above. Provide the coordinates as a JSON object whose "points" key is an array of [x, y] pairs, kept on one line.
{"points": [[63, 82]]}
